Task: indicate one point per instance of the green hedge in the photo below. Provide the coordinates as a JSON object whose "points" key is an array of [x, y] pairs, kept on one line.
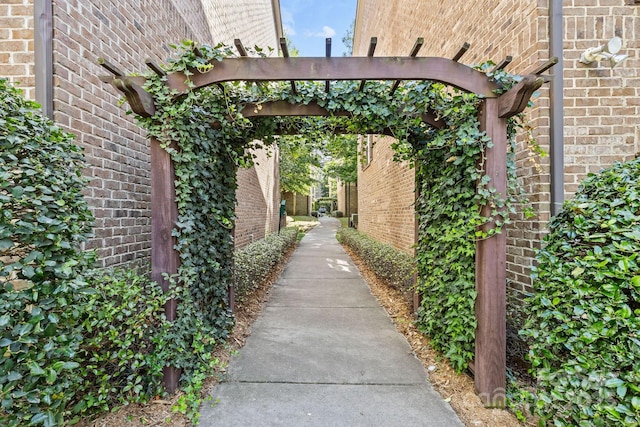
{"points": [[44, 219], [74, 341], [584, 316], [254, 263], [391, 265]]}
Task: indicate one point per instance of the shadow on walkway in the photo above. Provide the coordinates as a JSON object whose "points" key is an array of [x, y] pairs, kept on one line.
{"points": [[324, 353]]}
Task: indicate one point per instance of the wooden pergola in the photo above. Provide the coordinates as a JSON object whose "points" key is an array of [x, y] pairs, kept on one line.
{"points": [[490, 349]]}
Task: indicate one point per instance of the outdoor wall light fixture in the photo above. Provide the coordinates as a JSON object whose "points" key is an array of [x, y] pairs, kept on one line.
{"points": [[608, 51]]}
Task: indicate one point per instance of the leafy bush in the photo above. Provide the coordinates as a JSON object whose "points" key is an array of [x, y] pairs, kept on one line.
{"points": [[187, 344], [254, 263], [118, 362], [337, 214], [584, 317], [391, 265], [75, 341], [44, 219]]}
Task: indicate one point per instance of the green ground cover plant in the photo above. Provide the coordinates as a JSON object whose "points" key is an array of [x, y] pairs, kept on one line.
{"points": [[75, 341], [452, 189], [43, 219]]}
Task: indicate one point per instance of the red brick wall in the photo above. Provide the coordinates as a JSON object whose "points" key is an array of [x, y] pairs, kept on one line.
{"points": [[229, 18], [301, 206], [117, 150], [258, 195], [386, 197], [601, 105], [16, 44], [347, 197], [516, 28]]}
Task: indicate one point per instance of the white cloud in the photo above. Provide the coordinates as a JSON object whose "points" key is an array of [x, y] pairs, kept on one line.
{"points": [[288, 30], [288, 24], [326, 32]]}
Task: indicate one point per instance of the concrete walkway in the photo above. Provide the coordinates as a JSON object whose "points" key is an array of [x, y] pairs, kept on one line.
{"points": [[324, 353]]}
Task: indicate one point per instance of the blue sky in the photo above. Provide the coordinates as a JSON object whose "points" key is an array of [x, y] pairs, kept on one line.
{"points": [[308, 23]]}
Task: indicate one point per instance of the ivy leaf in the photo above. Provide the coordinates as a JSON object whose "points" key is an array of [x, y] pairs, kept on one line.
{"points": [[577, 271], [36, 370]]}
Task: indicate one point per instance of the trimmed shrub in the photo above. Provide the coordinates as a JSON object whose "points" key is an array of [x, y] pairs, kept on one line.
{"points": [[391, 265], [337, 214], [74, 341], [255, 262], [43, 220], [583, 320]]}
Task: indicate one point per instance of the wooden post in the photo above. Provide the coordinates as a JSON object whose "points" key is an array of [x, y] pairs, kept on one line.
{"points": [[490, 358], [417, 297], [232, 293], [164, 215]]}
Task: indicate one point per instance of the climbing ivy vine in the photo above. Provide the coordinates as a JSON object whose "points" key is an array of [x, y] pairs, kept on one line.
{"points": [[208, 139], [452, 189]]}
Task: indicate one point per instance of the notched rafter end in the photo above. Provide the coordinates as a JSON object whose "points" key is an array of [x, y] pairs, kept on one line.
{"points": [[240, 47], [545, 66], [110, 67], [283, 47], [516, 99], [502, 65], [417, 46], [155, 67], [465, 47], [372, 46], [141, 102]]}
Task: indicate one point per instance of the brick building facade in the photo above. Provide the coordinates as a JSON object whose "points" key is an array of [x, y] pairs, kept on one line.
{"points": [[16, 44], [117, 150], [297, 204], [386, 195], [347, 195], [601, 106]]}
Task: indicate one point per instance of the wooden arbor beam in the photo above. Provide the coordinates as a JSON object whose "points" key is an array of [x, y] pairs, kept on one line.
{"points": [[516, 99], [491, 263], [165, 260], [339, 68], [140, 101]]}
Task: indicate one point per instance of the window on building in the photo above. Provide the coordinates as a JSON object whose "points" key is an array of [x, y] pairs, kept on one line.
{"points": [[368, 141]]}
